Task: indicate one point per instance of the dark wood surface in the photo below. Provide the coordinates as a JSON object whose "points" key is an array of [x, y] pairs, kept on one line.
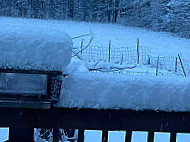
{"points": [[96, 119], [30, 71]]}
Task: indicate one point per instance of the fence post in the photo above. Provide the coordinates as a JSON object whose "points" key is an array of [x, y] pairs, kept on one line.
{"points": [[176, 64], [80, 135], [128, 136], [81, 45], [105, 136], [109, 51], [138, 51], [157, 65], [150, 136], [121, 59], [148, 60], [182, 65]]}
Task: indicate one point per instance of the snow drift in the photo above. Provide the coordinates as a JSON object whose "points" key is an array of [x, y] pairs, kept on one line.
{"points": [[33, 47], [117, 91]]}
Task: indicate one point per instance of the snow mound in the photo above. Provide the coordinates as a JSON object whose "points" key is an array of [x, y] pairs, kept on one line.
{"points": [[116, 91], [33, 47]]}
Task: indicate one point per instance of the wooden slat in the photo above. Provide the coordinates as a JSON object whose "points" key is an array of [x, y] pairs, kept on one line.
{"points": [[81, 135], [128, 136], [105, 136], [173, 137], [151, 136], [55, 134]]}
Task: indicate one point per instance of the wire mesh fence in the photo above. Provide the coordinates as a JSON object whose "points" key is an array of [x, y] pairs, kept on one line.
{"points": [[125, 55], [129, 56]]}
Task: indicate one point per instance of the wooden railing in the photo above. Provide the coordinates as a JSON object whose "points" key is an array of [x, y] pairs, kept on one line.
{"points": [[105, 120]]}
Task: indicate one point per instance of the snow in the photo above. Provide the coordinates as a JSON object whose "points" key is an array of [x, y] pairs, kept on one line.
{"points": [[33, 46], [3, 134], [160, 43], [117, 91]]}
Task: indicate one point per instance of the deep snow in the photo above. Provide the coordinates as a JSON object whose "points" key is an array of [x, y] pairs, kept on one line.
{"points": [[116, 91], [33, 46], [133, 92]]}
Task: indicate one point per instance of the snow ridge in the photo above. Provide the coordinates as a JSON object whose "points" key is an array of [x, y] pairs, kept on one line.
{"points": [[117, 91]]}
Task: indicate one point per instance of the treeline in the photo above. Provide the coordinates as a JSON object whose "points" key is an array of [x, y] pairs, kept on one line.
{"points": [[160, 15]]}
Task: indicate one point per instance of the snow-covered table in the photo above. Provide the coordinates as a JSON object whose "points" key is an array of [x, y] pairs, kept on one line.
{"points": [[32, 61]]}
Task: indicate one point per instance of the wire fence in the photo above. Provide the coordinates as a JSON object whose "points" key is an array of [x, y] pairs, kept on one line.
{"points": [[129, 56], [125, 55]]}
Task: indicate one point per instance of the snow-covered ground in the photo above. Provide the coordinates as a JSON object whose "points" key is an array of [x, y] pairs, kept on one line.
{"points": [[159, 43]]}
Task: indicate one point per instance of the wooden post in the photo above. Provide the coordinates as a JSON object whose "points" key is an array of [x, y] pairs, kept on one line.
{"points": [[176, 64], [121, 59], [128, 136], [182, 65], [150, 136], [80, 135], [157, 65], [173, 137], [148, 60], [81, 45], [105, 136], [55, 134], [109, 51], [138, 57]]}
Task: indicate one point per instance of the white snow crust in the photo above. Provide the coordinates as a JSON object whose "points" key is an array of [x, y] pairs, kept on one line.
{"points": [[116, 91], [34, 46]]}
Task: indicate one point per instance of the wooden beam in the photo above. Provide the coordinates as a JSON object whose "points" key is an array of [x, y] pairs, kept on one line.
{"points": [[55, 134], [31, 71], [150, 136], [17, 134], [105, 136], [80, 135], [96, 119], [128, 136], [173, 137]]}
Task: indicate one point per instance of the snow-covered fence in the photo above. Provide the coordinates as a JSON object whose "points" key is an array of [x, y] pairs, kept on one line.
{"points": [[95, 54], [165, 63], [171, 64], [186, 64], [128, 56]]}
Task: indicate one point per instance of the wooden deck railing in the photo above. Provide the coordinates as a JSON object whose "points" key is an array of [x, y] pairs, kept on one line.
{"points": [[105, 120]]}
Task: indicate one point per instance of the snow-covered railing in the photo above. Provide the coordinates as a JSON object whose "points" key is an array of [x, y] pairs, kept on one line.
{"points": [[91, 119]]}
